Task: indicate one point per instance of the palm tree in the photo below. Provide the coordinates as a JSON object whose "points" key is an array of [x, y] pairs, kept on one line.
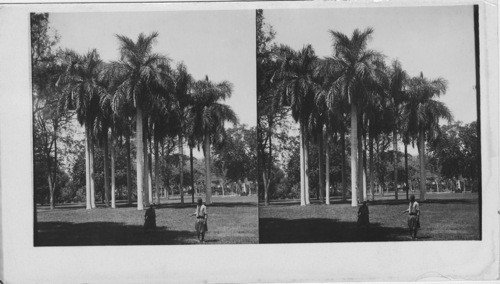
{"points": [[396, 86], [358, 69], [424, 113], [141, 72], [182, 89], [336, 106], [297, 89], [165, 121], [209, 116], [81, 92], [102, 124]]}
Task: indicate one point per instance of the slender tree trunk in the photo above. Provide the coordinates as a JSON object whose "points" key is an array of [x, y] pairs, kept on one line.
{"points": [[208, 175], [306, 170], [372, 176], [359, 157], [51, 191], [145, 169], [406, 171], [52, 172], [87, 169], [269, 163], [113, 178], [150, 176], [344, 166], [321, 184], [327, 166], [157, 170], [129, 171], [266, 187], [192, 173], [106, 171], [395, 150], [92, 175], [365, 194], [354, 154], [140, 157], [302, 167], [421, 137], [181, 166]]}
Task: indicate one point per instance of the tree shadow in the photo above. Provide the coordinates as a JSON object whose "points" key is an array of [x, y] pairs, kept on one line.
{"points": [[106, 233], [319, 230]]}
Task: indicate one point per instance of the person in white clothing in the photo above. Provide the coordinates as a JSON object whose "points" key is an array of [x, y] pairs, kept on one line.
{"points": [[201, 220], [413, 217]]}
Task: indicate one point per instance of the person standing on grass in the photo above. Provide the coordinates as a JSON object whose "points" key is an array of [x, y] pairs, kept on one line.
{"points": [[201, 220], [413, 217], [150, 219], [363, 215]]}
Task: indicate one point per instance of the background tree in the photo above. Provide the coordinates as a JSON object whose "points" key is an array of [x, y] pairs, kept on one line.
{"points": [[424, 113], [209, 117]]}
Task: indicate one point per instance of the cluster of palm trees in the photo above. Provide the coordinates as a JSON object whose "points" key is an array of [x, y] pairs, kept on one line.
{"points": [[141, 89], [354, 86]]}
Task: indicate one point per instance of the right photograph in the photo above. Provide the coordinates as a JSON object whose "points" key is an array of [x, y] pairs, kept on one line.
{"points": [[368, 124]]}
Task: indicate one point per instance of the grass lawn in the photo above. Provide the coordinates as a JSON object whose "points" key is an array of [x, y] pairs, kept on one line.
{"points": [[444, 216], [231, 220]]}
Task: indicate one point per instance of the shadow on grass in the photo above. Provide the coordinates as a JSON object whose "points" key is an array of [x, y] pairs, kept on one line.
{"points": [[317, 230], [106, 233]]}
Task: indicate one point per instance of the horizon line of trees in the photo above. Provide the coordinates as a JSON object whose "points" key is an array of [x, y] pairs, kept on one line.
{"points": [[352, 94], [139, 98]]}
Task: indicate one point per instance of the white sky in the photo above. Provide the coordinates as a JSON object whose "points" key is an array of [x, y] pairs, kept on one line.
{"points": [[220, 44], [439, 41]]}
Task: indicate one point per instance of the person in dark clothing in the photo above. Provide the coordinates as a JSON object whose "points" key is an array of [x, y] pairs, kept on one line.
{"points": [[363, 215], [150, 219]]}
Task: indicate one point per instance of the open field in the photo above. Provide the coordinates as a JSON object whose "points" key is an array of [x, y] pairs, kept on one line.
{"points": [[444, 216], [231, 220]]}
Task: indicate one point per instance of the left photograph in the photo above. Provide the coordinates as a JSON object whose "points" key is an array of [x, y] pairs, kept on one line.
{"points": [[144, 128]]}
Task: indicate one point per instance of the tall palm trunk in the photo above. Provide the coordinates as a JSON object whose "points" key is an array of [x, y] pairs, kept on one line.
{"points": [[145, 175], [359, 157], [407, 184], [87, 169], [354, 154], [140, 157], [372, 180], [395, 156], [267, 171], [208, 175], [113, 180], [306, 170], [92, 175], [129, 171], [181, 166], [365, 194], [106, 170], [192, 173], [53, 171], [150, 175], [157, 171], [302, 175], [421, 148], [327, 167], [320, 168], [344, 166]]}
